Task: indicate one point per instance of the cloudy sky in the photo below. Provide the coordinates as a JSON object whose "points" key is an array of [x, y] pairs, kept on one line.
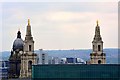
{"points": [[60, 25]]}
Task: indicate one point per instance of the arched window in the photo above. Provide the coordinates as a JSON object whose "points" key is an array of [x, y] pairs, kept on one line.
{"points": [[99, 61], [29, 65]]}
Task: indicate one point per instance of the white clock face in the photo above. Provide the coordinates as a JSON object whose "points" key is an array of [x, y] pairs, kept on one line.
{"points": [[21, 52], [24, 44]]}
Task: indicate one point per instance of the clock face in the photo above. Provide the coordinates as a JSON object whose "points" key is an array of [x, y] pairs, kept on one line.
{"points": [[23, 44], [21, 52]]}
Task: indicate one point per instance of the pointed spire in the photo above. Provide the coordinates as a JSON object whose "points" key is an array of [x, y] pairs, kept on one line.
{"points": [[28, 31], [97, 22], [97, 36], [28, 21]]}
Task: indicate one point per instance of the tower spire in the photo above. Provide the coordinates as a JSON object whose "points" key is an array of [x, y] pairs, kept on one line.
{"points": [[28, 31], [28, 57], [97, 36], [28, 21], [97, 22], [97, 56]]}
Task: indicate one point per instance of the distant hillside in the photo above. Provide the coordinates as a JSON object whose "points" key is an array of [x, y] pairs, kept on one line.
{"points": [[111, 54]]}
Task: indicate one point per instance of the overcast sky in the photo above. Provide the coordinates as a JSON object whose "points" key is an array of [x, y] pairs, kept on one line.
{"points": [[60, 25]]}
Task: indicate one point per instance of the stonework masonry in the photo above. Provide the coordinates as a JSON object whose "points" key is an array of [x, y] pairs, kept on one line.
{"points": [[97, 56], [28, 58]]}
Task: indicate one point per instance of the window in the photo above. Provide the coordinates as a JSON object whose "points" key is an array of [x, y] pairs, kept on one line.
{"points": [[99, 61], [29, 65], [29, 47], [43, 58], [43, 55], [98, 47], [43, 61]]}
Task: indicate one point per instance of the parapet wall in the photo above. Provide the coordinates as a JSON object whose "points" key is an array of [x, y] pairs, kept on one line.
{"points": [[81, 71]]}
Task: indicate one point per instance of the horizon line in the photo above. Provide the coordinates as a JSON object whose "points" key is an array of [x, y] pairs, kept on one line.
{"points": [[65, 49]]}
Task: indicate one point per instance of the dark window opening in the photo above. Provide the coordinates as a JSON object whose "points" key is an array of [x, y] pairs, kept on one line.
{"points": [[99, 61], [29, 65], [29, 47], [98, 47], [43, 55]]}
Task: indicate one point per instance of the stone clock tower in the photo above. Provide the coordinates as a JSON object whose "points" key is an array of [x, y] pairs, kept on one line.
{"points": [[97, 56], [28, 58]]}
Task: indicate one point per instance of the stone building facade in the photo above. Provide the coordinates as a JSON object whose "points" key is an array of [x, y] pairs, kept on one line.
{"points": [[97, 56], [15, 57], [28, 58], [22, 55]]}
